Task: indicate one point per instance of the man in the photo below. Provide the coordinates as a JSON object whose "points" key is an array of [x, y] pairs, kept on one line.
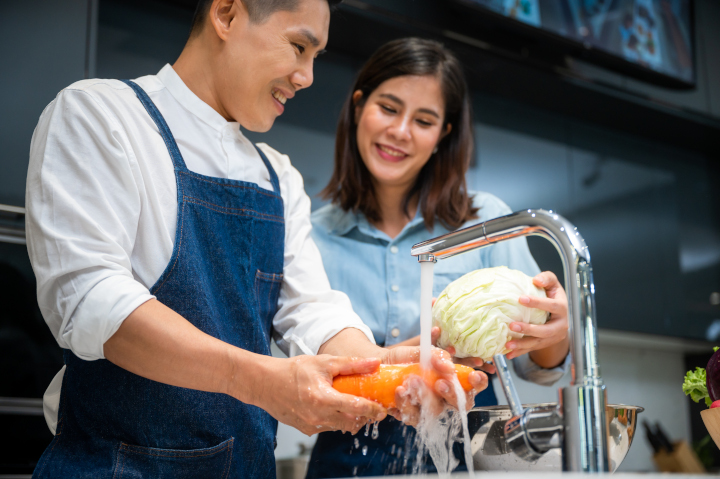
{"points": [[168, 250]]}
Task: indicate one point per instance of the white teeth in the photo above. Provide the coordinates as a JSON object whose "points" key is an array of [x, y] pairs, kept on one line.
{"points": [[279, 96], [391, 152]]}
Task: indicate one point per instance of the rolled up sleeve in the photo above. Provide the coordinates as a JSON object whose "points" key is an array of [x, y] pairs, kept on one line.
{"points": [[83, 206], [528, 370], [309, 312]]}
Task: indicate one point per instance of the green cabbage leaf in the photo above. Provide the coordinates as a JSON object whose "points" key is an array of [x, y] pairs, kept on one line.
{"points": [[695, 386], [474, 311]]}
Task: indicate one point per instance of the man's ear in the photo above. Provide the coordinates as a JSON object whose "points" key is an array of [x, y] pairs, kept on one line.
{"points": [[223, 13], [356, 98]]}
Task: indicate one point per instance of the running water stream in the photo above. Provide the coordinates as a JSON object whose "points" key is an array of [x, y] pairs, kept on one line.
{"points": [[426, 286], [437, 434]]}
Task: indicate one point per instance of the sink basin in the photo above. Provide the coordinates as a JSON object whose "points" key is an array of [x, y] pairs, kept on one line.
{"points": [[489, 454]]}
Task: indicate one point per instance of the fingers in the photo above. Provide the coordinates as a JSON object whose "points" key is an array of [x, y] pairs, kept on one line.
{"points": [[547, 330], [446, 390], [551, 305], [356, 406], [488, 368], [478, 380], [402, 355], [547, 280], [435, 335], [470, 362], [343, 366], [441, 361]]}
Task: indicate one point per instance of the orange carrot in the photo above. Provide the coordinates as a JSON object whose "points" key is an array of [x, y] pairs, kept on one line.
{"points": [[380, 386]]}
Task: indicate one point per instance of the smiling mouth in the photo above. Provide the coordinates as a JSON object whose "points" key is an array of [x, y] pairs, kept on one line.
{"points": [[391, 151], [277, 94]]}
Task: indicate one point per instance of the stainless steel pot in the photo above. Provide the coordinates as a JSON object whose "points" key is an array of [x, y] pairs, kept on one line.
{"points": [[490, 451]]}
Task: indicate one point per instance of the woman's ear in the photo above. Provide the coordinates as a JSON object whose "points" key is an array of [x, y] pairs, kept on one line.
{"points": [[356, 97], [445, 133]]}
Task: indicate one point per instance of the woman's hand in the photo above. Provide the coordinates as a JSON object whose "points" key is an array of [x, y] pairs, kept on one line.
{"points": [[409, 397], [547, 343], [475, 363]]}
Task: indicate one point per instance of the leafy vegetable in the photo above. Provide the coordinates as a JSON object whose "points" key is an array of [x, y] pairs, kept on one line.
{"points": [[695, 386], [475, 310]]}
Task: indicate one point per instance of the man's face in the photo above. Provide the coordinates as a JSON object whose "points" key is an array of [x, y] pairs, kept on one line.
{"points": [[262, 65]]}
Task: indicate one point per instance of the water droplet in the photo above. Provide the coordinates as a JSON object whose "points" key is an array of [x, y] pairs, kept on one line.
{"points": [[392, 449], [357, 443], [367, 429], [376, 430], [354, 471], [364, 450]]}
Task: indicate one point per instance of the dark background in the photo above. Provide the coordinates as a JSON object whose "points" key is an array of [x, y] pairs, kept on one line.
{"points": [[634, 165]]}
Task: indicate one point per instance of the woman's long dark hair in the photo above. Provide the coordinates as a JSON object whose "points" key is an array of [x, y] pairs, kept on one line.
{"points": [[441, 182]]}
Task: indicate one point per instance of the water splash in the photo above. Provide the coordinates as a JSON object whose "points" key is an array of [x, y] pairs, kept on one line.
{"points": [[460, 394], [436, 434]]}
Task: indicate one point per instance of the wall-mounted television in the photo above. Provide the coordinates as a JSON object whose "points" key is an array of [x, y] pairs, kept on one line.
{"points": [[648, 39]]}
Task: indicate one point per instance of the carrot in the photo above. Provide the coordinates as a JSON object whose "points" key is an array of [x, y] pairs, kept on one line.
{"points": [[380, 386]]}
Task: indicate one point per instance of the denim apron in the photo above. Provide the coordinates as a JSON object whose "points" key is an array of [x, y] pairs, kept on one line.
{"points": [[224, 277], [393, 452]]}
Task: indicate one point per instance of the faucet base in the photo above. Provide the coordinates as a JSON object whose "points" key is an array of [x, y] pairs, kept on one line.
{"points": [[585, 439]]}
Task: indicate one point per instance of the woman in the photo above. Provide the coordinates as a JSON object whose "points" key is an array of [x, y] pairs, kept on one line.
{"points": [[404, 142]]}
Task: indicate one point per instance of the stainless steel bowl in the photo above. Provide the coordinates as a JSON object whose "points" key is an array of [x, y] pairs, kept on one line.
{"points": [[490, 454]]}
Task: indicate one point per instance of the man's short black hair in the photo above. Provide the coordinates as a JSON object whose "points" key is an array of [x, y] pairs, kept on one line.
{"points": [[259, 10]]}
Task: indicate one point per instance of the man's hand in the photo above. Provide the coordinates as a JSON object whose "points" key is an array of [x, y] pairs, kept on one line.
{"points": [[299, 392], [547, 343]]}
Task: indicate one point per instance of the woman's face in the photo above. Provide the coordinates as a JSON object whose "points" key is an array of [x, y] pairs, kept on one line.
{"points": [[399, 126]]}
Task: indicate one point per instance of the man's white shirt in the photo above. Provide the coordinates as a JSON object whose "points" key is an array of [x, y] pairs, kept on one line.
{"points": [[101, 205]]}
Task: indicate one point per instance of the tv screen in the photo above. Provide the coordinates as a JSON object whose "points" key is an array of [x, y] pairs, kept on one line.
{"points": [[654, 34]]}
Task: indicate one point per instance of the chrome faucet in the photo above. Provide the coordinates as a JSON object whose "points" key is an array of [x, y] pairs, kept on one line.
{"points": [[578, 424]]}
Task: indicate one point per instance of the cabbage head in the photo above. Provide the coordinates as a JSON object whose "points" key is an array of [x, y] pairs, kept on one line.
{"points": [[474, 311]]}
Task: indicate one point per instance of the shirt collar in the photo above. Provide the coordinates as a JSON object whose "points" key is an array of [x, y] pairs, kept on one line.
{"points": [[190, 101], [347, 220]]}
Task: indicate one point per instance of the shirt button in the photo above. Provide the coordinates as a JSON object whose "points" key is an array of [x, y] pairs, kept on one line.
{"points": [[394, 249], [395, 332], [395, 288]]}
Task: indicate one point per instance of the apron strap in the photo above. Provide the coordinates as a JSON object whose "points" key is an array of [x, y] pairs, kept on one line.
{"points": [[169, 139], [273, 176], [157, 117]]}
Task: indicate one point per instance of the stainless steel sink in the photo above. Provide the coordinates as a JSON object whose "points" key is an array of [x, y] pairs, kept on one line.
{"points": [[490, 451]]}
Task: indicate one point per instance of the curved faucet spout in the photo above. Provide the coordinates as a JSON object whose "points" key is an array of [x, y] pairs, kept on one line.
{"points": [[583, 411]]}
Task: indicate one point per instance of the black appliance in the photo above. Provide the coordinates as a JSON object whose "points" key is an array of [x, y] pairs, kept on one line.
{"points": [[29, 354]]}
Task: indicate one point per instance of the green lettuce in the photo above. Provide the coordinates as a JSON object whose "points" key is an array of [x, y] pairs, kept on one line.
{"points": [[474, 311], [695, 386]]}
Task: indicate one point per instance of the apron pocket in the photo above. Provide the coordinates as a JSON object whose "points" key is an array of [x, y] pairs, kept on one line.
{"points": [[137, 462], [267, 290]]}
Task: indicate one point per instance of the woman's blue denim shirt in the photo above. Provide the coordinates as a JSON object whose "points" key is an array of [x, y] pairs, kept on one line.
{"points": [[383, 280]]}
